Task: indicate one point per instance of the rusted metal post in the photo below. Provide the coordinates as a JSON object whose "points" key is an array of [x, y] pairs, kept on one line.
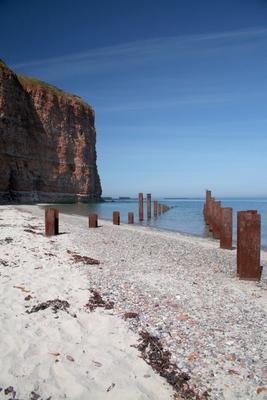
{"points": [[93, 221], [148, 205], [211, 214], [209, 207], [130, 217], [51, 221], [226, 228], [213, 217], [240, 228], [248, 245], [240, 223], [217, 220], [206, 209], [155, 208], [141, 206], [116, 218]]}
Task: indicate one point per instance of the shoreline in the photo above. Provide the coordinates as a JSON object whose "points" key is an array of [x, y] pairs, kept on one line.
{"points": [[138, 224], [182, 288]]}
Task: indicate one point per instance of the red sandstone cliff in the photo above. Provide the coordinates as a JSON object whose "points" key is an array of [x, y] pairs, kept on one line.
{"points": [[47, 143]]}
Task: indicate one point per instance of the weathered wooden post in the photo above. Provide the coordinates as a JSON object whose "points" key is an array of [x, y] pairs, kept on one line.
{"points": [[248, 245], [159, 208], [148, 205], [141, 206], [130, 217], [226, 228], [116, 218], [155, 208], [51, 221], [93, 221]]}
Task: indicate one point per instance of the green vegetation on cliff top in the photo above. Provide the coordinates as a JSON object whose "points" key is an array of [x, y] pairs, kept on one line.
{"points": [[24, 80], [2, 64]]}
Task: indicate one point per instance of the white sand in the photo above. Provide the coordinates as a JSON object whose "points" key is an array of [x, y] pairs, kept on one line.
{"points": [[99, 343], [184, 289]]}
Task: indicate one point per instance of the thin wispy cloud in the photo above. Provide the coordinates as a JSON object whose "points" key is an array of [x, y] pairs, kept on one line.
{"points": [[146, 48], [162, 73], [180, 100]]}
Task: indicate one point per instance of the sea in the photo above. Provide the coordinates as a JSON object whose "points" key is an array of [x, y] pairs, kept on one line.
{"points": [[186, 216]]}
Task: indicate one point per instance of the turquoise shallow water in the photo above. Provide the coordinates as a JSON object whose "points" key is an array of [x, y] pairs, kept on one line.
{"points": [[185, 217]]}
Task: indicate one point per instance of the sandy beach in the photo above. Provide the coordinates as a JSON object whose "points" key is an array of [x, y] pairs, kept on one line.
{"points": [[74, 308]]}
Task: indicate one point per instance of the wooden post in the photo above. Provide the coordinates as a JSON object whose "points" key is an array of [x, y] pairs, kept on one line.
{"points": [[248, 245], [93, 221], [116, 218], [159, 208], [51, 221], [130, 217], [226, 228], [148, 205], [141, 206], [155, 209]]}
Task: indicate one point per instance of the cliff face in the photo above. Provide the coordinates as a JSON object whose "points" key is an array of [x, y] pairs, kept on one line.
{"points": [[47, 143]]}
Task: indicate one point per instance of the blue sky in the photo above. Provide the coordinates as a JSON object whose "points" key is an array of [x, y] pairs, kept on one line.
{"points": [[179, 87]]}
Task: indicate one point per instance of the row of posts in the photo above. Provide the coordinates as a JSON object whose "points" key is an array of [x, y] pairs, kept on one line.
{"points": [[220, 222], [158, 207], [158, 210], [51, 215]]}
